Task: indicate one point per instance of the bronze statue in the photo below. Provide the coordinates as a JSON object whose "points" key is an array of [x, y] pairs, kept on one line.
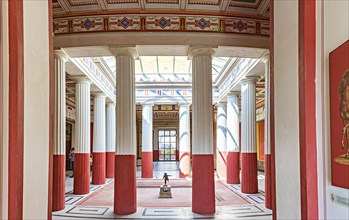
{"points": [[165, 177], [344, 108]]}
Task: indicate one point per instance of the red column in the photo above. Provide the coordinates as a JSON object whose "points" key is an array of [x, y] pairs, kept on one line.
{"points": [[203, 189], [147, 164], [16, 109], [125, 190], [233, 139], [249, 173], [233, 167], [110, 164], [249, 181], [58, 192], [98, 168], [203, 183], [82, 173], [125, 187], [307, 108], [267, 183]]}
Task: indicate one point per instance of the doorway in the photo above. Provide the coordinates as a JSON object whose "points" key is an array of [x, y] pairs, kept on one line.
{"points": [[167, 145]]}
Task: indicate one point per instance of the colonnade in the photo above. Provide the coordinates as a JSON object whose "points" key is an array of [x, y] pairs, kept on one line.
{"points": [[118, 146], [103, 142]]}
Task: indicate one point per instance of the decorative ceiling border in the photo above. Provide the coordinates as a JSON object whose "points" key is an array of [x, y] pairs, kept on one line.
{"points": [[159, 12], [137, 23]]}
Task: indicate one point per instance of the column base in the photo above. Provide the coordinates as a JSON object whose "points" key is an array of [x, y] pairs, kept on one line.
{"points": [[147, 164], [110, 164], [221, 165], [184, 164], [58, 191], [249, 180], [267, 173], [125, 188], [82, 174], [98, 168], [203, 189], [233, 168]]}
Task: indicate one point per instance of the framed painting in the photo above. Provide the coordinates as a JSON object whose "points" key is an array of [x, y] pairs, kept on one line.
{"points": [[339, 115]]}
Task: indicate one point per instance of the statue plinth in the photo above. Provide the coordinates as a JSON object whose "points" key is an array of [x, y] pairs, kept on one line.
{"points": [[165, 191]]}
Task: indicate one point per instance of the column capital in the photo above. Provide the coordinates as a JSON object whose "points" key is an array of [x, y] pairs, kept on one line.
{"points": [[99, 94], [249, 80], [200, 51], [61, 55], [129, 51], [82, 80], [234, 93], [266, 58], [111, 103]]}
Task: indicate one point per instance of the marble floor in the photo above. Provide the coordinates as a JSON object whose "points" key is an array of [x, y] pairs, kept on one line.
{"points": [[230, 202]]}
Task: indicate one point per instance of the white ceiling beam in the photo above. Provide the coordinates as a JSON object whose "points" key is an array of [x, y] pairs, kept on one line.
{"points": [[263, 7], [65, 5], [103, 4], [224, 5], [183, 4]]}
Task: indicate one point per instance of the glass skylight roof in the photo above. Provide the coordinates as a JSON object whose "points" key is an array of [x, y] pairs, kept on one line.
{"points": [[168, 68]]}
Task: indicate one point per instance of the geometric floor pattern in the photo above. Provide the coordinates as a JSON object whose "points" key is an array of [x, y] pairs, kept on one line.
{"points": [[253, 209]]}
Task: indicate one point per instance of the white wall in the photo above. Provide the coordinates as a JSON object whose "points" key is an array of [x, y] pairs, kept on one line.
{"points": [[36, 109], [336, 32], [3, 109], [286, 101]]}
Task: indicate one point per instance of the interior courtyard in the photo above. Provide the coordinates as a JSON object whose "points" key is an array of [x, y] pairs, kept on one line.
{"points": [[174, 109]]}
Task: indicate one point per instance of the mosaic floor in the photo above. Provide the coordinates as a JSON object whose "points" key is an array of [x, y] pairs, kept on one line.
{"points": [[230, 202]]}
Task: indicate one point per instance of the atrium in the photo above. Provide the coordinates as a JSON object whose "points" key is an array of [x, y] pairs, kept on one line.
{"points": [[174, 109]]}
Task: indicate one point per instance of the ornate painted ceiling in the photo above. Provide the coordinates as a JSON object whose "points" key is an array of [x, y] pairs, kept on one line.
{"points": [[248, 8]]}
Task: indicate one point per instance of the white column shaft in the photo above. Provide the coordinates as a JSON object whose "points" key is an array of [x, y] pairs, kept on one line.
{"points": [[248, 117], [147, 128], [111, 132], [267, 110], [83, 117], [99, 124], [202, 105], [222, 127], [233, 124], [59, 126], [184, 128], [125, 106]]}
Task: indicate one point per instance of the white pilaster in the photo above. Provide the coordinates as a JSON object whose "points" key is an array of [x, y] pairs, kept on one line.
{"points": [[59, 119], [99, 123], [267, 107], [233, 123], [202, 100], [83, 115], [111, 132], [222, 127], [248, 115], [147, 127], [184, 127], [125, 101]]}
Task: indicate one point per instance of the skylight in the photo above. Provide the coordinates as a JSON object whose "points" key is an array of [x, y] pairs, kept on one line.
{"points": [[167, 69]]}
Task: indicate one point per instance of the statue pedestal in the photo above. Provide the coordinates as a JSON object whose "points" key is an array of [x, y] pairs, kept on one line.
{"points": [[165, 191]]}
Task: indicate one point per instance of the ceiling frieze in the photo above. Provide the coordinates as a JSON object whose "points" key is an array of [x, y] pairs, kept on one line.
{"points": [[176, 23]]}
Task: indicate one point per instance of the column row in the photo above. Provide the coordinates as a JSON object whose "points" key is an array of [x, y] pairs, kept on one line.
{"points": [[103, 163]]}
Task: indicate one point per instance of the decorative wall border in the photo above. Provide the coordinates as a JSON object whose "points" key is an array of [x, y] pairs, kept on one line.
{"points": [[174, 23]]}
